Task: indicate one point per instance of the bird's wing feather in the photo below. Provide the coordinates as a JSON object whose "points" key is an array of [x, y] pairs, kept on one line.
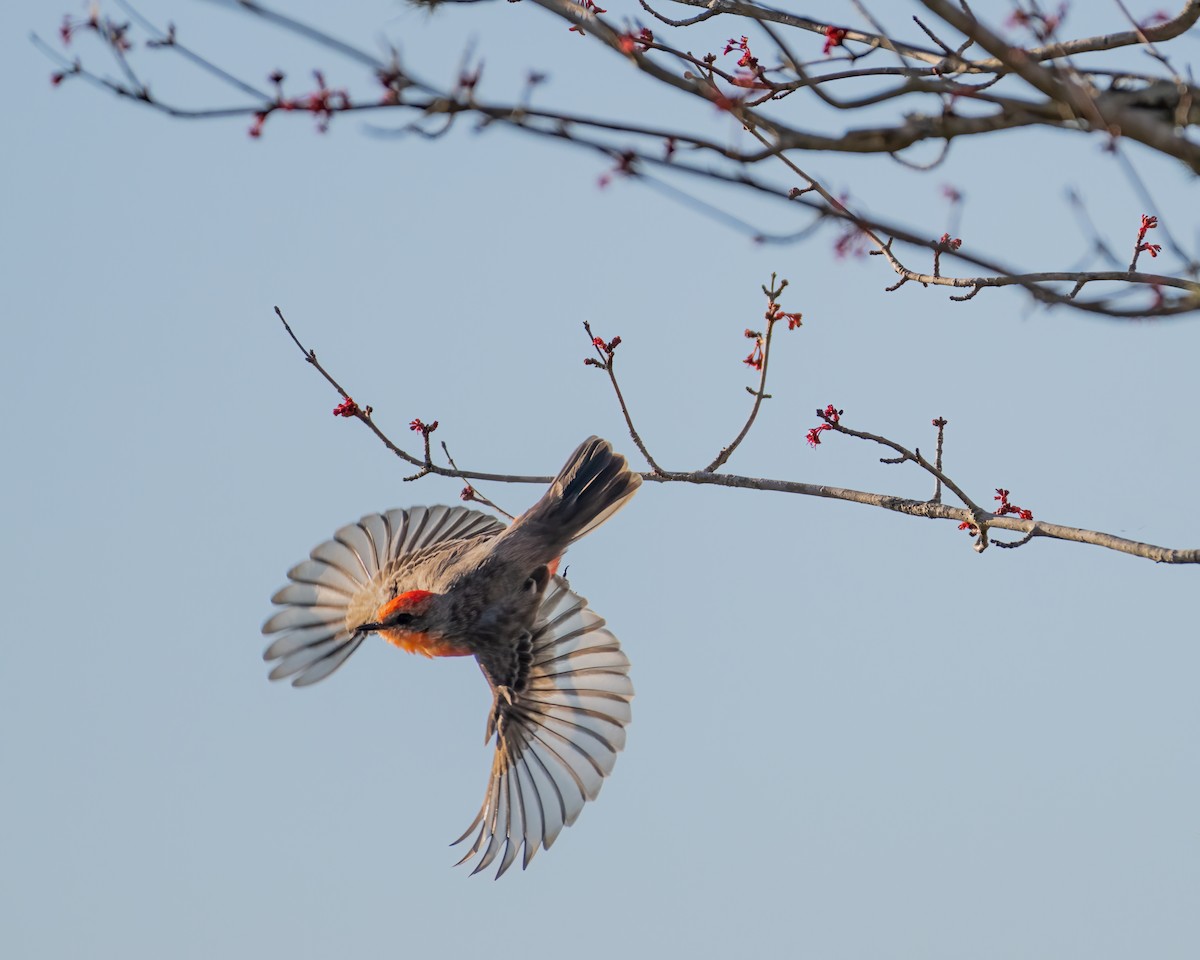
{"points": [[311, 635], [559, 723]]}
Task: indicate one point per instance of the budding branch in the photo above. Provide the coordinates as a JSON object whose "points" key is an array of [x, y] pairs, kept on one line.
{"points": [[970, 516], [1055, 82]]}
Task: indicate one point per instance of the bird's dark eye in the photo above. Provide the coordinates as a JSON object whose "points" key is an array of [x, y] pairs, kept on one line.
{"points": [[400, 619]]}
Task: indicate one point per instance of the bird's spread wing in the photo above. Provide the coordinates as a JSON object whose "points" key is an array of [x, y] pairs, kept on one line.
{"points": [[561, 706], [349, 573]]}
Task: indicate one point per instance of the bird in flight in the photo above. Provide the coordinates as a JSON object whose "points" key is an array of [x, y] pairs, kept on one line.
{"points": [[451, 582]]}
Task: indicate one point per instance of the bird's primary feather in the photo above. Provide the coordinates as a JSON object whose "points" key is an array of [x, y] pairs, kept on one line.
{"points": [[347, 578], [557, 734]]}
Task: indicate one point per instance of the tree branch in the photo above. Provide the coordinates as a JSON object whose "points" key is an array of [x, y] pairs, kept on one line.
{"points": [[1069, 98], [969, 515]]}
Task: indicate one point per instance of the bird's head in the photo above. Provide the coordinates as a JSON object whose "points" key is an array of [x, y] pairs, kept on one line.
{"points": [[407, 621]]}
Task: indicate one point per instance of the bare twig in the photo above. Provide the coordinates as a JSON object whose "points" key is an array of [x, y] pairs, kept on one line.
{"points": [[1013, 544], [940, 423], [470, 491], [690, 21], [605, 363]]}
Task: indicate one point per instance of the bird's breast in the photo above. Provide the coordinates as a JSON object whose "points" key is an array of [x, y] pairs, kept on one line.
{"points": [[424, 644]]}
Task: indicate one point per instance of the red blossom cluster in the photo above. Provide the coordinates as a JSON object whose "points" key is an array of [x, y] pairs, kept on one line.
{"points": [[605, 348], [113, 33], [623, 168], [116, 34], [1006, 507], [755, 359], [747, 59], [323, 103], [468, 80], [775, 313], [1042, 25], [419, 426], [629, 42], [944, 244], [830, 415], [347, 408], [468, 493], [392, 81], [1148, 223], [834, 36], [751, 73]]}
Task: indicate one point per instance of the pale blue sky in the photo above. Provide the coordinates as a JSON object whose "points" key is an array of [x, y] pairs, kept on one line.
{"points": [[853, 737]]}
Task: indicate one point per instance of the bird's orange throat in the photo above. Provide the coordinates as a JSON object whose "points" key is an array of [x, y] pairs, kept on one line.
{"points": [[425, 644]]}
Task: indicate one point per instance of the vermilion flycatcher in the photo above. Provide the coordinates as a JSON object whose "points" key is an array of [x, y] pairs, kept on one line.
{"points": [[450, 582]]}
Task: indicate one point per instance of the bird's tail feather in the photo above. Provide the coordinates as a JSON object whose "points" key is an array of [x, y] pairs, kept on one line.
{"points": [[594, 484]]}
